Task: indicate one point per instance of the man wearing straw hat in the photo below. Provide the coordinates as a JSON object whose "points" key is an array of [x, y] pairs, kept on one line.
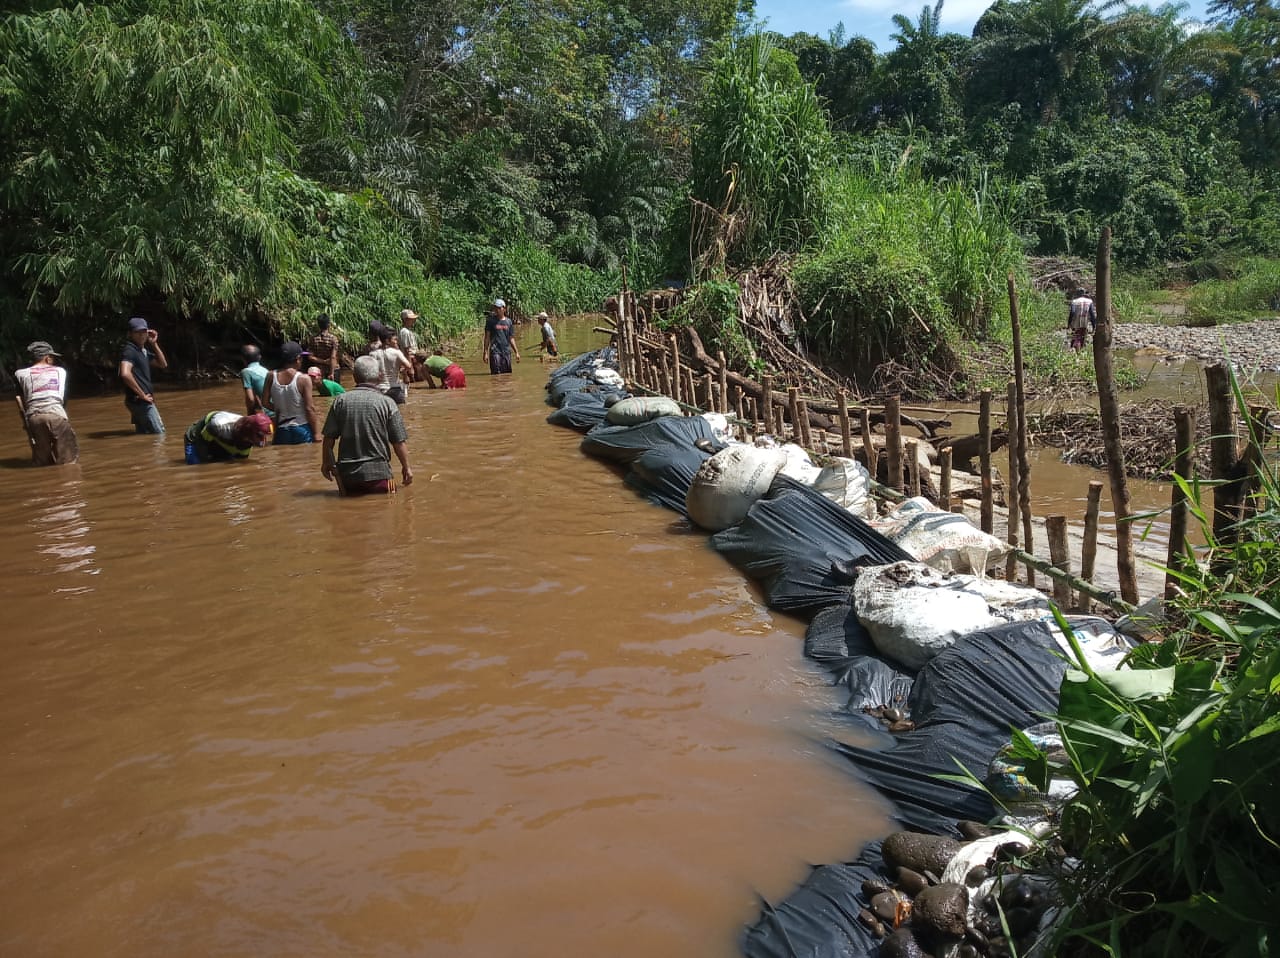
{"points": [[367, 427], [43, 388]]}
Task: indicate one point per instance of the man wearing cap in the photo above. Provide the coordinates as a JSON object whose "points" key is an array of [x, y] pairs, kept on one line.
{"points": [[43, 394], [140, 351], [253, 378], [548, 337], [499, 340], [368, 428], [225, 437], [325, 349], [408, 341], [325, 388], [450, 373], [289, 396]]}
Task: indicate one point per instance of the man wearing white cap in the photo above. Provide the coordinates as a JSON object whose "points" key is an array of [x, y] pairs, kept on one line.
{"points": [[43, 387], [408, 340], [499, 340]]}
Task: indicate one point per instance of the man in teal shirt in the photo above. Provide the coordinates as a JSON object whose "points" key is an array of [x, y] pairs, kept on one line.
{"points": [[253, 378], [324, 387]]}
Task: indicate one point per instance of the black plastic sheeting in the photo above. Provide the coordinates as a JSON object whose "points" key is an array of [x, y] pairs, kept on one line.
{"points": [[803, 548], [625, 444], [837, 640], [806, 552], [964, 703]]}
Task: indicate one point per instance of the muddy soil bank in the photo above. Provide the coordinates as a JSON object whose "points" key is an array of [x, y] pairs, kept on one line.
{"points": [[1252, 345]]}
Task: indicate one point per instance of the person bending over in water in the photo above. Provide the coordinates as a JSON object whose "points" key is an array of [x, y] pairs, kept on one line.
{"points": [[324, 387], [450, 373], [367, 426], [225, 436]]}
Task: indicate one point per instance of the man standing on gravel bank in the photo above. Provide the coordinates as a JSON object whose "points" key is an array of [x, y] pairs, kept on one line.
{"points": [[1081, 316], [135, 372]]}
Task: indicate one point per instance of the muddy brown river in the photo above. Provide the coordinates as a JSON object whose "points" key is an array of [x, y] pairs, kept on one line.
{"points": [[512, 710]]}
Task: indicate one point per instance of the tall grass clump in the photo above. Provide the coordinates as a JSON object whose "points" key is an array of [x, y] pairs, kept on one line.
{"points": [[760, 147], [535, 280], [1252, 293], [1176, 825], [905, 269]]}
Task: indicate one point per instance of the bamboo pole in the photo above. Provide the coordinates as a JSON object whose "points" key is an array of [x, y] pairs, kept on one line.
{"points": [[1184, 426], [677, 377], [1024, 459], [1011, 486], [724, 383], [913, 466], [893, 441], [1108, 599], [987, 514], [944, 480], [1060, 555], [793, 410], [766, 403], [1109, 412], [806, 432], [846, 439], [1089, 549]]}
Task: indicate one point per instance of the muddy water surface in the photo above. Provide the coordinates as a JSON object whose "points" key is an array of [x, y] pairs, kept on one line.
{"points": [[512, 710]]}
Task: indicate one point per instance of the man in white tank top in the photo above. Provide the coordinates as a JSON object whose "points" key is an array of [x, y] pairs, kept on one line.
{"points": [[289, 395]]}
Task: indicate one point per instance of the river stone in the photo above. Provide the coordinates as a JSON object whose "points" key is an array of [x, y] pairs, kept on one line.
{"points": [[974, 830], [910, 881], [902, 944], [942, 908], [885, 905], [919, 852]]}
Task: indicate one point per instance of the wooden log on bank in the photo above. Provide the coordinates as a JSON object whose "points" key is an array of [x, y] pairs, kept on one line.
{"points": [[1109, 413]]}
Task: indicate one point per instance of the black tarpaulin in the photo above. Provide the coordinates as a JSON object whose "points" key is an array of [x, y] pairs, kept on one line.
{"points": [[663, 475], [802, 547], [836, 639], [625, 444], [581, 410]]}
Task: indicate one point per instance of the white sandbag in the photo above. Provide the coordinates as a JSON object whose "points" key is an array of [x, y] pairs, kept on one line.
{"points": [[798, 465], [608, 377], [847, 484], [719, 426], [726, 485], [638, 409], [913, 611], [945, 540]]}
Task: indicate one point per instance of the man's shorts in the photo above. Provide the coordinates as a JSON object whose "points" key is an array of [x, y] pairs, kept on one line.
{"points": [[294, 434], [454, 377], [366, 487], [397, 393], [499, 362]]}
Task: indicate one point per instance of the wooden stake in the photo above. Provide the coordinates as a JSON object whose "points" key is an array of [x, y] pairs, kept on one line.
{"points": [[708, 394], [1060, 555], [1184, 428], [667, 388], [1224, 450], [1024, 460], [737, 403], [753, 415], [1089, 550], [987, 516], [766, 403], [1109, 412], [944, 481], [690, 388], [868, 446], [913, 466], [724, 384], [846, 440], [1011, 485], [806, 433], [677, 376], [893, 441], [793, 409]]}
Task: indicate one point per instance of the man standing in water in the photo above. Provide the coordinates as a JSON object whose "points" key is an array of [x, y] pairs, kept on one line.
{"points": [[368, 427], [253, 378], [408, 342], [325, 348], [289, 395], [43, 391], [499, 340], [141, 349]]}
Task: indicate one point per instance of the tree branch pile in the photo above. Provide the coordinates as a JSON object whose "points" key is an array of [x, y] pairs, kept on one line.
{"points": [[1149, 441]]}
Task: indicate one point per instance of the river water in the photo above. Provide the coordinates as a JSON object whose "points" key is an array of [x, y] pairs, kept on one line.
{"points": [[512, 710]]}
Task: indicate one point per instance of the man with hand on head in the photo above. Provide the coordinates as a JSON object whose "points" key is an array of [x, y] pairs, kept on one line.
{"points": [[140, 351], [367, 427]]}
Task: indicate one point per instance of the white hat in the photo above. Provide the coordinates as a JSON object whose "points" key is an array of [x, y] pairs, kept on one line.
{"points": [[499, 304], [542, 315]]}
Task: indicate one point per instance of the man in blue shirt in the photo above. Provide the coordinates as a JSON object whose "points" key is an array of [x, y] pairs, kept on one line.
{"points": [[140, 351], [499, 340]]}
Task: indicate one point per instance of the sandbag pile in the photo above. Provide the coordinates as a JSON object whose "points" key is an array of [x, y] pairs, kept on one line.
{"points": [[939, 661]]}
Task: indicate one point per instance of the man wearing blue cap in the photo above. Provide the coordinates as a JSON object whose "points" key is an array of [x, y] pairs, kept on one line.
{"points": [[499, 340], [140, 351]]}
